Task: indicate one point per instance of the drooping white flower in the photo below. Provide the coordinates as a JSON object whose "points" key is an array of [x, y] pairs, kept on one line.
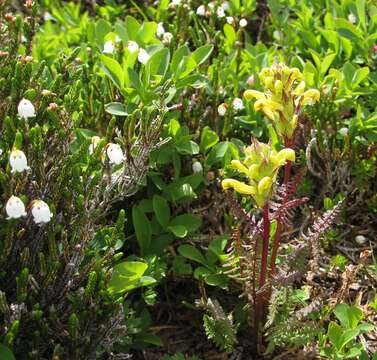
{"points": [[343, 131], [132, 46], [197, 167], [225, 5], [175, 2], [1, 152], [352, 18], [18, 161], [15, 208], [243, 22], [114, 153], [117, 39], [47, 16], [237, 104], [93, 144], [160, 29], [211, 5], [26, 109], [360, 239], [143, 56], [167, 38], [108, 47], [41, 212], [201, 10], [220, 12], [250, 80], [230, 20], [221, 109]]}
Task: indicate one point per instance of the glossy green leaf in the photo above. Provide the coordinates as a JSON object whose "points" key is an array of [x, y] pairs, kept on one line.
{"points": [[113, 70], [192, 253], [142, 227], [162, 210]]}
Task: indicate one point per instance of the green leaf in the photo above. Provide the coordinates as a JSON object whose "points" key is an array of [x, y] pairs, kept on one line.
{"points": [[132, 27], [208, 139], [334, 332], [201, 54], [192, 253], [142, 227], [360, 7], [116, 108], [348, 30], [135, 82], [347, 336], [162, 210], [179, 54], [326, 62], [187, 147], [190, 222], [147, 32], [126, 276], [101, 30], [113, 70], [159, 62], [359, 76], [178, 230], [348, 72], [6, 353], [349, 316]]}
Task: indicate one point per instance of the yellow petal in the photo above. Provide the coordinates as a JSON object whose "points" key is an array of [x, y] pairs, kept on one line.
{"points": [[264, 185], [236, 164], [238, 186], [253, 94], [300, 88], [310, 97], [286, 155]]}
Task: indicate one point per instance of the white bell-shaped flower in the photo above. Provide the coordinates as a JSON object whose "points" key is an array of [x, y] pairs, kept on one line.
{"points": [[243, 23], [108, 47], [114, 153], [26, 109], [197, 167], [132, 46], [18, 161], [230, 20], [361, 239], [220, 12], [167, 38], [15, 208], [93, 144], [221, 109], [160, 29], [143, 56], [201, 10], [41, 212], [237, 104]]}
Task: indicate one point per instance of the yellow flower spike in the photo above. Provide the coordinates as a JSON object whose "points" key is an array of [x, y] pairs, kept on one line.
{"points": [[253, 94], [294, 121], [236, 164], [310, 97], [238, 186], [286, 155], [264, 186]]}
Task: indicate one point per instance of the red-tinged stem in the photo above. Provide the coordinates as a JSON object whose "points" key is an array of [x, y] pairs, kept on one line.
{"points": [[279, 227], [265, 241]]}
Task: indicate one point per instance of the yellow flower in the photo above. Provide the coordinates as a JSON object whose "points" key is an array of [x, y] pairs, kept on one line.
{"points": [[310, 97], [238, 186]]}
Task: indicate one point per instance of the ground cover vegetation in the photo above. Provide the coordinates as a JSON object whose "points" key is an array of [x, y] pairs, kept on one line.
{"points": [[185, 179]]}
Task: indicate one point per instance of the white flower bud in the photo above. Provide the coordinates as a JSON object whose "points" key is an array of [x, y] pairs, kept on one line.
{"points": [[230, 20], [197, 167], [251, 80], [343, 131], [221, 109], [160, 30], [220, 12], [143, 56], [114, 153], [243, 23], [41, 212], [225, 5], [93, 144], [108, 47], [15, 208], [237, 104], [167, 38], [211, 5], [18, 161], [201, 10], [360, 239], [26, 109], [132, 46], [352, 18]]}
